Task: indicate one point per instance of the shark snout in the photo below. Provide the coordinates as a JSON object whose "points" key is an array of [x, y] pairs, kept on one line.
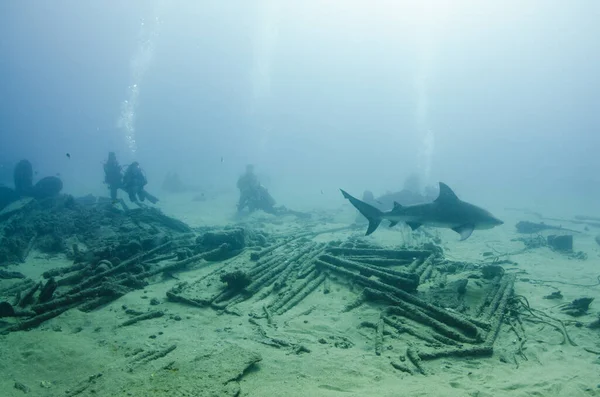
{"points": [[490, 222]]}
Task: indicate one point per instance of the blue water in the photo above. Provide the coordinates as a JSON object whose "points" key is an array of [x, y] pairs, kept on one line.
{"points": [[497, 99]]}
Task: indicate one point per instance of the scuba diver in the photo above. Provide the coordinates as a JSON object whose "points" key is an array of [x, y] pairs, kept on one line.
{"points": [[134, 181], [262, 200], [23, 177], [248, 185], [256, 197], [113, 175]]}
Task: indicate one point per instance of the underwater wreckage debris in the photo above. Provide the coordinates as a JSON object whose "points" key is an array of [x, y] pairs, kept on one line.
{"points": [[102, 288], [104, 274], [212, 371], [276, 279], [561, 243], [5, 274], [577, 307], [46, 187], [61, 225], [587, 218], [141, 357], [527, 227], [277, 282]]}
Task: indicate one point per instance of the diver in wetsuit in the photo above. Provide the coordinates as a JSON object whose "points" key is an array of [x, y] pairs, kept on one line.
{"points": [[113, 175], [23, 177], [248, 185], [256, 197], [262, 200], [134, 181]]}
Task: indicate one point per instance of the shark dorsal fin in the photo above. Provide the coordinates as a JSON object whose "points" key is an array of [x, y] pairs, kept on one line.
{"points": [[446, 194], [397, 205]]}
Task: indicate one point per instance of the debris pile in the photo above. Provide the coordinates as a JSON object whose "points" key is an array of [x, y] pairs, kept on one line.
{"points": [[77, 228], [282, 276], [119, 252]]}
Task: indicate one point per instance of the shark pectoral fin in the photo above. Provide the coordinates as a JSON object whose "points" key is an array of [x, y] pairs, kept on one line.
{"points": [[413, 225], [464, 231], [393, 223], [373, 224]]}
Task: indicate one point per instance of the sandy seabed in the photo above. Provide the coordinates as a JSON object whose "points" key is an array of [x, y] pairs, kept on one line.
{"points": [[87, 354]]}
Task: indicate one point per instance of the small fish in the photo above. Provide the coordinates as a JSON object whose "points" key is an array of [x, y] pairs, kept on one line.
{"points": [[322, 191], [69, 155], [58, 174], [222, 160]]}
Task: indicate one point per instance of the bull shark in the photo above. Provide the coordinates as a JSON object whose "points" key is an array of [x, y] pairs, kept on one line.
{"points": [[446, 211]]}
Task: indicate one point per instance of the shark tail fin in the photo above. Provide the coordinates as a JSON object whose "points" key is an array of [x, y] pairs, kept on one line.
{"points": [[372, 214]]}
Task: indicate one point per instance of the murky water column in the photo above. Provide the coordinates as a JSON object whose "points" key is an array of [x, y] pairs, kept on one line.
{"points": [[139, 64], [423, 78], [267, 33]]}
